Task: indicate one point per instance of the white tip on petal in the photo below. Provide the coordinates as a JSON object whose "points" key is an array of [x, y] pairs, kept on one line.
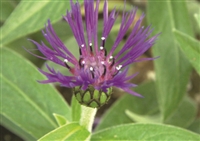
{"points": [[82, 45], [119, 67], [90, 44], [65, 60], [83, 62], [102, 62], [111, 57], [103, 38], [101, 48], [91, 69]]}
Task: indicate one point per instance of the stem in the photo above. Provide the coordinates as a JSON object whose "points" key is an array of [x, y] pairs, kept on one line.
{"points": [[87, 117]]}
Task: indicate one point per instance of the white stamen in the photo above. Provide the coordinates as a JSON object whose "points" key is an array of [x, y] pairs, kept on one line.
{"points": [[119, 67], [65, 60], [102, 62], [103, 38], [101, 48], [82, 45], [90, 44], [91, 69], [111, 57], [83, 62]]}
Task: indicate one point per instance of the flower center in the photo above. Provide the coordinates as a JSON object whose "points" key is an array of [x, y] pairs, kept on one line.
{"points": [[100, 66]]}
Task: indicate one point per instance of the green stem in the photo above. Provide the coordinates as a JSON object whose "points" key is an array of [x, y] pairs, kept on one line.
{"points": [[87, 117]]}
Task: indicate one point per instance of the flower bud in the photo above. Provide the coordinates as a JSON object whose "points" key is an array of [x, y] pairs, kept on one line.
{"points": [[92, 97]]}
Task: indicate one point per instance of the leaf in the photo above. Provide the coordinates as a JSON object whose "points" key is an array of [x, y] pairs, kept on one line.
{"points": [[18, 45], [21, 23], [144, 132], [197, 17], [195, 126], [69, 132], [6, 9], [142, 118], [61, 120], [143, 106], [25, 103], [15, 128], [193, 9], [190, 47], [184, 114], [172, 68], [76, 109]]}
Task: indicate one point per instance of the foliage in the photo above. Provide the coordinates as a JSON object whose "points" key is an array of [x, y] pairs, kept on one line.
{"points": [[35, 111]]}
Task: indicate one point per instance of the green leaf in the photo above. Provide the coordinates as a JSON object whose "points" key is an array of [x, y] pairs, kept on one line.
{"points": [[16, 128], [61, 120], [193, 9], [142, 106], [144, 132], [172, 68], [6, 9], [25, 103], [76, 109], [21, 23], [69, 132], [184, 114], [18, 45], [195, 126], [143, 118], [183, 117], [197, 17], [190, 47]]}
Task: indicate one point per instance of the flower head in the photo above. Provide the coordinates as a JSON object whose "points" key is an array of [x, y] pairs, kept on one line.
{"points": [[96, 70]]}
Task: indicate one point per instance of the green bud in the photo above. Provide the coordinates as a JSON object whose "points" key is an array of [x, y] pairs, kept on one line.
{"points": [[92, 97]]}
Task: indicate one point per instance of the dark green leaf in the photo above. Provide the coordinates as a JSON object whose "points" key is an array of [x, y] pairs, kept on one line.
{"points": [[16, 128], [145, 132], [190, 47], [69, 132], [24, 102], [18, 45], [172, 68], [195, 126], [6, 9], [184, 114]]}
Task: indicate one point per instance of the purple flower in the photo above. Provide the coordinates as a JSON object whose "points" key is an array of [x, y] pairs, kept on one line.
{"points": [[96, 67]]}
